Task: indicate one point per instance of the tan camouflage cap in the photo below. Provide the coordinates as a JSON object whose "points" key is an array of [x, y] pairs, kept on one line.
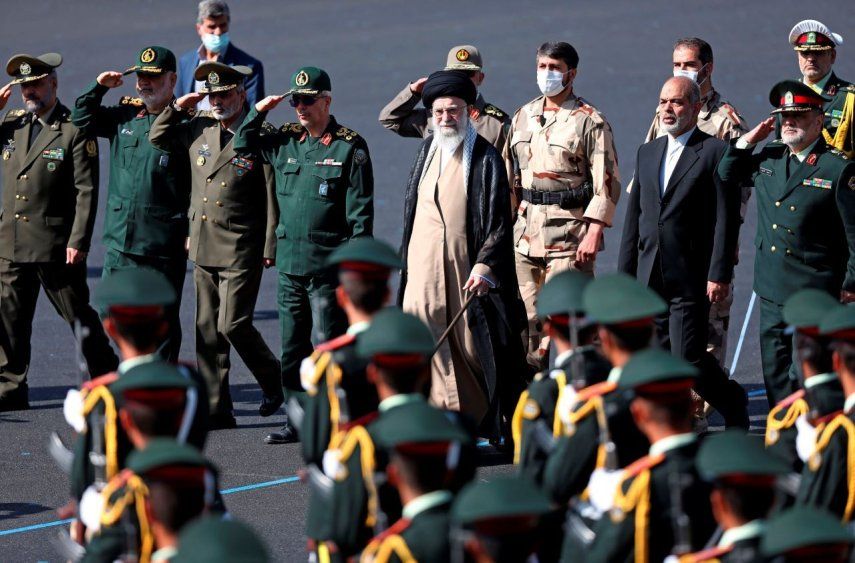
{"points": [[464, 57]]}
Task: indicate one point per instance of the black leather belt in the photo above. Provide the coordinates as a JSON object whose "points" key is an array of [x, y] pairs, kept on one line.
{"points": [[566, 199]]}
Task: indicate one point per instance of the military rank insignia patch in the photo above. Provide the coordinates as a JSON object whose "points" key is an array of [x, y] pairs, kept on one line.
{"points": [[91, 147], [851, 183], [531, 410], [360, 157], [811, 159]]}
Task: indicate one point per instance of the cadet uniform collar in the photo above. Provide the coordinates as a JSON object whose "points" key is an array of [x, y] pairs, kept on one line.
{"points": [[819, 379], [819, 87], [803, 154], [356, 328], [398, 400], [614, 374], [563, 357], [425, 502], [164, 554], [126, 365], [747, 531], [665, 445], [849, 404]]}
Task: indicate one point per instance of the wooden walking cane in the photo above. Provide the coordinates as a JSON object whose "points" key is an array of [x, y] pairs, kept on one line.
{"points": [[453, 322]]}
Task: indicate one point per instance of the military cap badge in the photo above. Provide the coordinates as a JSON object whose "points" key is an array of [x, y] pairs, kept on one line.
{"points": [[148, 55], [788, 98], [213, 78], [811, 37], [302, 78], [25, 69], [462, 55]]}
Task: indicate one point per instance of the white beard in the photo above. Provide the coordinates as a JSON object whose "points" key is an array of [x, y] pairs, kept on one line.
{"points": [[449, 138]]}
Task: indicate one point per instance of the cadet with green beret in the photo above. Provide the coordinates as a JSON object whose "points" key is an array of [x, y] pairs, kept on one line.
{"points": [[805, 219], [744, 477], [597, 431], [789, 428], [50, 195], [397, 347], [215, 540], [497, 520], [805, 535], [149, 190], [423, 454], [133, 304], [166, 485], [578, 363], [828, 478], [337, 389], [324, 197], [658, 506], [232, 222]]}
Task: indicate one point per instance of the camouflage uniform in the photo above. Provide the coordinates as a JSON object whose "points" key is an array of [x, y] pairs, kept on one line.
{"points": [[568, 153], [721, 120]]}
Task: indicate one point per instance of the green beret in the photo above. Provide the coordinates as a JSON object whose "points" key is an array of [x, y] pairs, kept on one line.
{"points": [[310, 81], [793, 95], [394, 332], [419, 423], [734, 453], [27, 68], [618, 298], [157, 374], [138, 287], [806, 308], [654, 366], [801, 527], [163, 452], [219, 77], [214, 540], [501, 497], [562, 295], [839, 323], [153, 60], [365, 251]]}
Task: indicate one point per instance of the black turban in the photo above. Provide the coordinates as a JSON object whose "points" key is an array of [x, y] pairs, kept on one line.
{"points": [[449, 83]]}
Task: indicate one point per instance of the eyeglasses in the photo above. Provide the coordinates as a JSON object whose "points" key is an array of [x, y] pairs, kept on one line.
{"points": [[452, 111], [305, 100]]}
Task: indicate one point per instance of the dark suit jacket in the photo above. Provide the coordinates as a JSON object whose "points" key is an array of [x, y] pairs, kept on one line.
{"points": [[233, 56], [692, 229]]}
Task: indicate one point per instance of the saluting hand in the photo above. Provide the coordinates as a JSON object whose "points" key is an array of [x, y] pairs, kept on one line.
{"points": [[269, 103], [189, 101], [419, 85], [110, 79], [763, 129], [5, 94]]}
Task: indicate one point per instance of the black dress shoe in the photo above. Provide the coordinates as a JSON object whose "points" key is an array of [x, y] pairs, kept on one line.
{"points": [[285, 435], [15, 400], [269, 405], [221, 421]]}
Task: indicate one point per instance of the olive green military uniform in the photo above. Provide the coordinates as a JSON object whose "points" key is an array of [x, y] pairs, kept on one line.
{"points": [[564, 169], [807, 534], [232, 223], [401, 115], [149, 189], [125, 531], [324, 197], [644, 521], [216, 540], [722, 121], [805, 232], [50, 194]]}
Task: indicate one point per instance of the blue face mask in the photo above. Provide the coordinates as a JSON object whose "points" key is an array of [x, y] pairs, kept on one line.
{"points": [[215, 43]]}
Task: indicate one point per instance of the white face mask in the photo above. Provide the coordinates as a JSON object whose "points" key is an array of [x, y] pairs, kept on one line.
{"points": [[690, 74], [550, 82]]}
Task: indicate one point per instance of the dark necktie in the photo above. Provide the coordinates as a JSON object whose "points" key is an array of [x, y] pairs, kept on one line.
{"points": [[35, 129], [225, 137]]}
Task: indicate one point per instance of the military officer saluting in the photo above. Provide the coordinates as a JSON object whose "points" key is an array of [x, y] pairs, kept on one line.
{"points": [[816, 46], [401, 115], [563, 169], [50, 194], [324, 197], [789, 425], [149, 189], [232, 223], [805, 220]]}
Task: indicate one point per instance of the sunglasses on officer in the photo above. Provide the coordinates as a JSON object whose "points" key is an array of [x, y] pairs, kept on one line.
{"points": [[297, 99]]}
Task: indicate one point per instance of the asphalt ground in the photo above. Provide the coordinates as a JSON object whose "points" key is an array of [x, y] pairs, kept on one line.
{"points": [[372, 49]]}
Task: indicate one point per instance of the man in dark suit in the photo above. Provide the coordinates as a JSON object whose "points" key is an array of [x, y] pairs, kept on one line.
{"points": [[679, 237], [212, 25]]}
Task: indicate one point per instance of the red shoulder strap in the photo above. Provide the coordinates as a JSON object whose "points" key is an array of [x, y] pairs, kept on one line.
{"points": [[336, 343], [392, 530], [105, 379], [596, 390], [645, 462], [789, 400]]}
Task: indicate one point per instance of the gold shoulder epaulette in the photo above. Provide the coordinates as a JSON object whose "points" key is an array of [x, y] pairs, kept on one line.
{"points": [[14, 114], [490, 109], [131, 101], [267, 128], [837, 152], [347, 134], [291, 128]]}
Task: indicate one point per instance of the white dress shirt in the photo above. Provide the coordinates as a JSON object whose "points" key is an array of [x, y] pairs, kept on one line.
{"points": [[672, 155]]}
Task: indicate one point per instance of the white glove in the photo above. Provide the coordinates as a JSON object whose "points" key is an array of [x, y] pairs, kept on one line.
{"points": [[805, 439], [72, 409], [91, 508]]}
